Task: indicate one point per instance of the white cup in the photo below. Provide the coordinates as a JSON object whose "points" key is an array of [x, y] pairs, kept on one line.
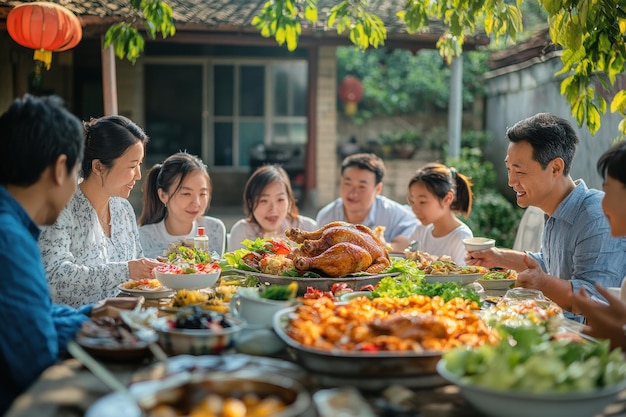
{"points": [[257, 311]]}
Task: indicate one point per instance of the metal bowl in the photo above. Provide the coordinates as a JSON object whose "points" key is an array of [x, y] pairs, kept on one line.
{"points": [[322, 283], [199, 341], [365, 370], [236, 385]]}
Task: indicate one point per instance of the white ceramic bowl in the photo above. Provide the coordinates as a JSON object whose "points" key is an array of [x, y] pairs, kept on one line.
{"points": [[199, 341], [478, 243], [248, 305], [355, 294], [499, 403], [187, 281]]}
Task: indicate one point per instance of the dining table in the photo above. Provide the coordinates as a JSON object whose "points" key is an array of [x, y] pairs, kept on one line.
{"points": [[69, 389]]}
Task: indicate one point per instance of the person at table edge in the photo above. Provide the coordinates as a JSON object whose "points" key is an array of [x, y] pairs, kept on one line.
{"points": [[41, 144], [577, 248]]}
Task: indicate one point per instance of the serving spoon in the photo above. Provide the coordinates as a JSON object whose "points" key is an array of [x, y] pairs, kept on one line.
{"points": [[103, 374]]}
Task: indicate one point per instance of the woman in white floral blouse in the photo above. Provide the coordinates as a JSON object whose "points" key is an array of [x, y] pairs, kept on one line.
{"points": [[94, 244], [176, 195]]}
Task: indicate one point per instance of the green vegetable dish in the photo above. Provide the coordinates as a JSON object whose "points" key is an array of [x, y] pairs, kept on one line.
{"points": [[528, 359]]}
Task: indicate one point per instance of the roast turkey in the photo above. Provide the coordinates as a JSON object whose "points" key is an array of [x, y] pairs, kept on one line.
{"points": [[339, 249]]}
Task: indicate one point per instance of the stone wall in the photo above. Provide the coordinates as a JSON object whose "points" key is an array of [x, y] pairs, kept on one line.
{"points": [[519, 91]]}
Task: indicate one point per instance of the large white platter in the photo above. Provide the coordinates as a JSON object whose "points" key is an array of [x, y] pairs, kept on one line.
{"points": [[322, 283], [364, 370]]}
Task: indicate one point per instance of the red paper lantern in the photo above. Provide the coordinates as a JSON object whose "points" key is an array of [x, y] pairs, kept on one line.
{"points": [[350, 93], [44, 27]]}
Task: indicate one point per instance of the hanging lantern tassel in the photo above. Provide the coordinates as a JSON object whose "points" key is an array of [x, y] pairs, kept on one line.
{"points": [[350, 93], [44, 57]]}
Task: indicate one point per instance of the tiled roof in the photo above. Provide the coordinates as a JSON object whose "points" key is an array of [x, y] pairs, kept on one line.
{"points": [[225, 15]]}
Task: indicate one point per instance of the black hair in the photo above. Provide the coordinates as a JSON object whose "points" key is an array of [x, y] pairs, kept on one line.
{"points": [[613, 162], [550, 136], [257, 182], [34, 132], [169, 177], [107, 138], [367, 161], [440, 180]]}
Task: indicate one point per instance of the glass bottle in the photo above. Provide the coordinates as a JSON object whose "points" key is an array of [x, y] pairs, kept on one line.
{"points": [[201, 241]]}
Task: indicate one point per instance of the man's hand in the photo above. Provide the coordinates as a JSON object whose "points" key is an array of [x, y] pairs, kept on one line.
{"points": [[533, 276], [487, 258]]}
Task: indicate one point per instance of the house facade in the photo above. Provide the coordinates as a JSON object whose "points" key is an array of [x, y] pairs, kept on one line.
{"points": [[217, 88]]}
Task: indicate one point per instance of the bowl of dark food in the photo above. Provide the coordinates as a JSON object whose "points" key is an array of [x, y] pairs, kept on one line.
{"points": [[538, 375], [196, 331]]}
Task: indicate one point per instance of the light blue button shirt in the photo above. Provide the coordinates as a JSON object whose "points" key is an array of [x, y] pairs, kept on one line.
{"points": [[397, 219], [577, 244]]}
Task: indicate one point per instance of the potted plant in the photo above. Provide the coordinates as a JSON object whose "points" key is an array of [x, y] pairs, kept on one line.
{"points": [[404, 143]]}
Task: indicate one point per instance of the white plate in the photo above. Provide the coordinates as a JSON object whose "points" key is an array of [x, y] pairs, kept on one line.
{"points": [[462, 279], [497, 284], [147, 294]]}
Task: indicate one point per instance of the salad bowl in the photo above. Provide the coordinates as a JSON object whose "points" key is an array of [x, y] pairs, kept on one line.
{"points": [[511, 403], [177, 281]]}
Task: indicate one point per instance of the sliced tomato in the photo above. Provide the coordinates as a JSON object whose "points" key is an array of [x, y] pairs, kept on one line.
{"points": [[278, 247], [368, 347]]}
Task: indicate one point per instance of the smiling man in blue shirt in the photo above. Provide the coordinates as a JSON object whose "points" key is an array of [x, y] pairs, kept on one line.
{"points": [[577, 249], [41, 146]]}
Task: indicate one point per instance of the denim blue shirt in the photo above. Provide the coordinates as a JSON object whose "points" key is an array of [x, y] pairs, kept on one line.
{"points": [[577, 245], [397, 220], [33, 331]]}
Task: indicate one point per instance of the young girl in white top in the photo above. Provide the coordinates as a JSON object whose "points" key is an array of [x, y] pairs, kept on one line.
{"points": [[436, 195], [176, 196], [270, 208]]}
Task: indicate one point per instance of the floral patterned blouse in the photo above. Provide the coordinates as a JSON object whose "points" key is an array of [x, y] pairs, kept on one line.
{"points": [[83, 264]]}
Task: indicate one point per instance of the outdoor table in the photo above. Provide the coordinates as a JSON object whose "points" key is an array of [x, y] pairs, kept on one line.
{"points": [[67, 389]]}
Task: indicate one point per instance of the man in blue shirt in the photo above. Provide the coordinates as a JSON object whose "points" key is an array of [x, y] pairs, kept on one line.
{"points": [[360, 202], [41, 146], [577, 249]]}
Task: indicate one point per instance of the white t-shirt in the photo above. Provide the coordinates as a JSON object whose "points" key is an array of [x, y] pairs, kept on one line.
{"points": [[450, 244], [155, 239]]}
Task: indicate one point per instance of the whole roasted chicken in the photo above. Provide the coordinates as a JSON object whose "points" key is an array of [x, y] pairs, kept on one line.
{"points": [[339, 249]]}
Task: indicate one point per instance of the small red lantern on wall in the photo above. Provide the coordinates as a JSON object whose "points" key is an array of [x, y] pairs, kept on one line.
{"points": [[350, 93], [44, 27]]}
